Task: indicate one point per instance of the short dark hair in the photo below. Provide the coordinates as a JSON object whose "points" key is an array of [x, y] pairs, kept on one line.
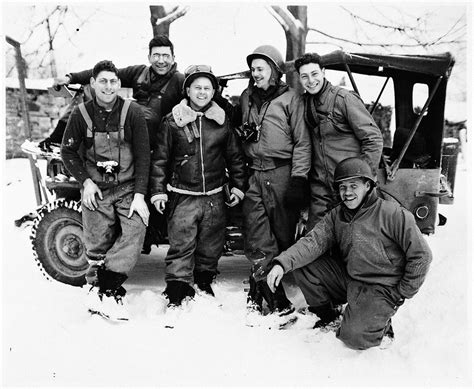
{"points": [[306, 59], [104, 65], [159, 41]]}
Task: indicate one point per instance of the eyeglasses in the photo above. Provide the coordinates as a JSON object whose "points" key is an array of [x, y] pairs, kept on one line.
{"points": [[197, 68], [157, 56], [104, 81]]}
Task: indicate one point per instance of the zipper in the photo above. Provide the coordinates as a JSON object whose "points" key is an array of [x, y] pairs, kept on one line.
{"points": [[202, 157]]}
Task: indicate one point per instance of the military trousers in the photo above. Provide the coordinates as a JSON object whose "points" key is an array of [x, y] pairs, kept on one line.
{"points": [[196, 233], [370, 307], [109, 235], [269, 226]]}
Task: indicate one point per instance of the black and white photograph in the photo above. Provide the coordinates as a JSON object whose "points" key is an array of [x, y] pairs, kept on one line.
{"points": [[236, 194]]}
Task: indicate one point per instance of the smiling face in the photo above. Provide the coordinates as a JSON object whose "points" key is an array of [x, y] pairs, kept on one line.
{"points": [[261, 73], [106, 86], [161, 59], [311, 77], [200, 92], [352, 191]]}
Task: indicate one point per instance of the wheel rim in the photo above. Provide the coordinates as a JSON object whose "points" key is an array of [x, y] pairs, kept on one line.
{"points": [[65, 239]]}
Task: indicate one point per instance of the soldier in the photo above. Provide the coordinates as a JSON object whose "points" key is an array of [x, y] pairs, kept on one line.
{"points": [[277, 145], [195, 146], [105, 147], [340, 127], [384, 260]]}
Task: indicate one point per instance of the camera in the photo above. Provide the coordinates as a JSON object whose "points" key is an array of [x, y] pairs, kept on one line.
{"points": [[249, 132], [107, 168]]}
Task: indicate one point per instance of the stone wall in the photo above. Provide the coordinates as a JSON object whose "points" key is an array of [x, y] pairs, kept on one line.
{"points": [[44, 111]]}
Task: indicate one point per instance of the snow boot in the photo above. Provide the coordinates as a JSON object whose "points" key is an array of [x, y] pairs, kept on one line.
{"points": [[327, 315], [203, 280], [111, 293], [282, 306], [177, 291], [254, 297]]}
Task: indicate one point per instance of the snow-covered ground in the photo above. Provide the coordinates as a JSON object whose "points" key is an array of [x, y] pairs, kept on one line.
{"points": [[48, 339]]}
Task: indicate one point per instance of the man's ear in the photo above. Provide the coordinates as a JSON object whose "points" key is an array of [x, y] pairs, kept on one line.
{"points": [[92, 81]]}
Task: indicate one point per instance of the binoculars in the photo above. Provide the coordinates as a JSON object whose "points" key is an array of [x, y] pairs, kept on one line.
{"points": [[249, 132]]}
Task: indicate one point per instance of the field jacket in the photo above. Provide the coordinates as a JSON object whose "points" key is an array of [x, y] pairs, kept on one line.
{"points": [[284, 136], [379, 244], [342, 128]]}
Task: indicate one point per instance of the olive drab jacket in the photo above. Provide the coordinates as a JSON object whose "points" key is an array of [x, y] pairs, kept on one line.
{"points": [[340, 127], [284, 135], [379, 244]]}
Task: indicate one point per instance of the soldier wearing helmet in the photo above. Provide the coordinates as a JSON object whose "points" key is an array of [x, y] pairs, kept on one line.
{"points": [[188, 172], [340, 127], [384, 260], [277, 145]]}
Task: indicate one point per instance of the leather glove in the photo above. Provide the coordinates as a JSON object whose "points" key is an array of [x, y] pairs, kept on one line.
{"points": [[297, 194]]}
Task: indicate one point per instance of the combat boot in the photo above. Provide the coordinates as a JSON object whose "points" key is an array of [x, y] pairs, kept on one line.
{"points": [[177, 291], [203, 280], [327, 315], [112, 293]]}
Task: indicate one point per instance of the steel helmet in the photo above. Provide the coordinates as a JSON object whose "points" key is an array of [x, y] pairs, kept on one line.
{"points": [[353, 167], [195, 71], [269, 53]]}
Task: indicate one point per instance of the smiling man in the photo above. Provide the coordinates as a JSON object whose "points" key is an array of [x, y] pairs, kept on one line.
{"points": [[195, 146], [340, 127], [106, 149], [384, 260]]}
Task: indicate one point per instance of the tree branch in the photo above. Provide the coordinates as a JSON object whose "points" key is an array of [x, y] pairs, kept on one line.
{"points": [[176, 13]]}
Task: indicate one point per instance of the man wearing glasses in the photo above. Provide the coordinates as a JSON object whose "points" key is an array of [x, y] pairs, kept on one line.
{"points": [[106, 148]]}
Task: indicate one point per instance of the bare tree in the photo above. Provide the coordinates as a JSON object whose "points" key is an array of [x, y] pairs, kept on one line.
{"points": [[42, 58], [161, 18]]}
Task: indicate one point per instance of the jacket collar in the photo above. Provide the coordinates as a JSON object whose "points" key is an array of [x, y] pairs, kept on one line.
{"points": [[370, 199], [183, 114]]}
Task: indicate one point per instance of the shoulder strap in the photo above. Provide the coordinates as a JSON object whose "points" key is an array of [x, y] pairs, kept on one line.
{"points": [[87, 118], [142, 76], [123, 113]]}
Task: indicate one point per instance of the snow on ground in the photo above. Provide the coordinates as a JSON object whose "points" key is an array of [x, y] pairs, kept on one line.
{"points": [[48, 339]]}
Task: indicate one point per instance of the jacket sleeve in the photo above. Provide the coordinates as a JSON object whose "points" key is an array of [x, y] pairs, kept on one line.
{"points": [[159, 160], [83, 77], [301, 161], [235, 162], [127, 76], [365, 129], [74, 136], [307, 249], [417, 252], [141, 148]]}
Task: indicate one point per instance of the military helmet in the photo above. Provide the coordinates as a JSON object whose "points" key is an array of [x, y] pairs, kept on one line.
{"points": [[195, 71], [269, 53], [353, 167]]}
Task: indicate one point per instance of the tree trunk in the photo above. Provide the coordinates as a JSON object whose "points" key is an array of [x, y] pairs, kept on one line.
{"points": [[161, 19], [294, 21]]}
